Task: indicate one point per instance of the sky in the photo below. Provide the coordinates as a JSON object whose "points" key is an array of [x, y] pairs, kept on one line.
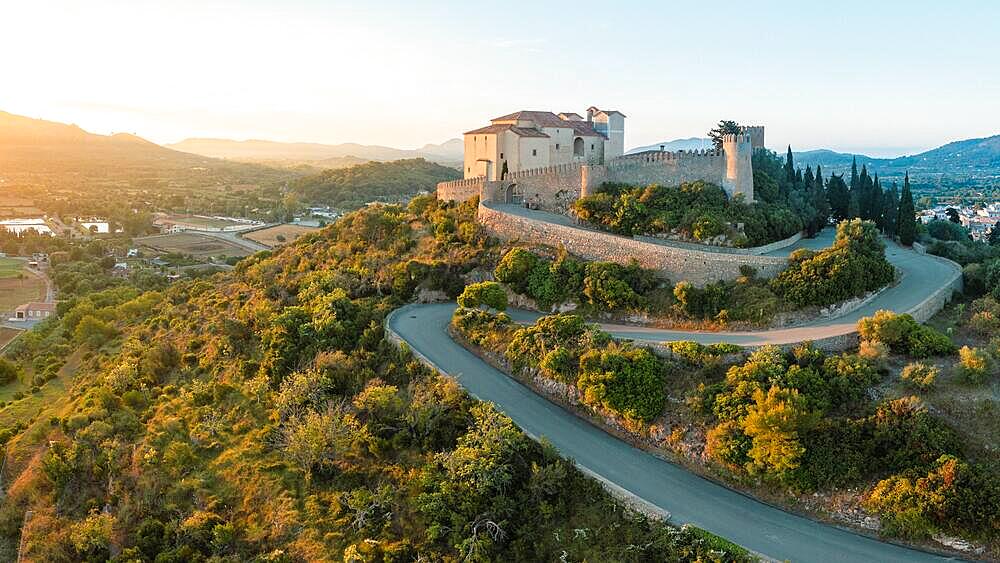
{"points": [[882, 78]]}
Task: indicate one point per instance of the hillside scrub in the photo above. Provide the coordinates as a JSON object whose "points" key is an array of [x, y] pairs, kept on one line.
{"points": [[853, 266], [261, 415], [606, 286], [904, 335], [625, 380], [698, 211], [353, 187]]}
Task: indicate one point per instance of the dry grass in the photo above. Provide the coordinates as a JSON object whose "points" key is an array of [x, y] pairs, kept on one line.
{"points": [[14, 291], [195, 244], [269, 236]]}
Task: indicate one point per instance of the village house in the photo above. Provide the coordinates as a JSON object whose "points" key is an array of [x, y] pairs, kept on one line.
{"points": [[34, 311]]}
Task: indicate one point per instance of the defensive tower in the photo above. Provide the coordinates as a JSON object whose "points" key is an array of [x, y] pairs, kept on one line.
{"points": [[738, 148]]}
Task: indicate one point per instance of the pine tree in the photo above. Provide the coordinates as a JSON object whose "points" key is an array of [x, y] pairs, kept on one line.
{"points": [[906, 224]]}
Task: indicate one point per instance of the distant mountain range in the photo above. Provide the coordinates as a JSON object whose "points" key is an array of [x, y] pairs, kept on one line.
{"points": [[693, 143], [960, 160], [970, 159], [38, 152], [317, 154]]}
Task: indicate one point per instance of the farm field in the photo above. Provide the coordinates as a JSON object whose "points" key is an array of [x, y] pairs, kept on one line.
{"points": [[6, 335], [194, 244], [16, 290], [287, 233], [201, 222]]}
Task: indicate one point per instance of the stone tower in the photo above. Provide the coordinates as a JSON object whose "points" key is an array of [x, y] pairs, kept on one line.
{"points": [[756, 133], [738, 149]]}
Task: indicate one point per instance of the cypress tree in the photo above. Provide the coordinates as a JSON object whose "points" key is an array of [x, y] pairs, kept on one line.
{"points": [[854, 175], [819, 201], [890, 209], [994, 237], [906, 224], [789, 166], [838, 197], [876, 203]]}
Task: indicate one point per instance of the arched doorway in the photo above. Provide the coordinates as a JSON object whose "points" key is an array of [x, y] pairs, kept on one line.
{"points": [[578, 146]]}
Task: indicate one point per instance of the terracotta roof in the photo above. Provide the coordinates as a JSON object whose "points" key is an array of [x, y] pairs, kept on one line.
{"points": [[549, 119], [36, 306], [501, 127], [570, 114], [606, 111]]}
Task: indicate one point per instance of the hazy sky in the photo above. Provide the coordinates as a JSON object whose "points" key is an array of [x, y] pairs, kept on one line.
{"points": [[876, 76]]}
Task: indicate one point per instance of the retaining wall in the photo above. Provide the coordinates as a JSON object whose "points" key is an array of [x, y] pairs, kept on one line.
{"points": [[754, 251], [677, 264]]}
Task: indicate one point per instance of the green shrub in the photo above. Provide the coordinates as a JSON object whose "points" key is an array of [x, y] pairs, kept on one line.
{"points": [[490, 294], [904, 335], [626, 380], [853, 266], [974, 366], [920, 375]]}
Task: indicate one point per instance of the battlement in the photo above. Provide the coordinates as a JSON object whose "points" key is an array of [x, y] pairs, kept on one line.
{"points": [[554, 169], [651, 157], [737, 138], [462, 183], [756, 133]]}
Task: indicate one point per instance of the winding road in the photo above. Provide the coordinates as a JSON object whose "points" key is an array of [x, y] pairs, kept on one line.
{"points": [[669, 488]]}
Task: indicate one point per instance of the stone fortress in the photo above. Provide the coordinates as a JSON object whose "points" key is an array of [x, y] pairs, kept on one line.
{"points": [[546, 161], [528, 167]]}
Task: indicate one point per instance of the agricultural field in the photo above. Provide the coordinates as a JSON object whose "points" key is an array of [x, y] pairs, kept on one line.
{"points": [[15, 207], [6, 335], [279, 235], [18, 286], [195, 244]]}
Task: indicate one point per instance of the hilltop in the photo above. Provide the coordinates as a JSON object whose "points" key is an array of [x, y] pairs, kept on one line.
{"points": [[966, 159], [374, 181]]}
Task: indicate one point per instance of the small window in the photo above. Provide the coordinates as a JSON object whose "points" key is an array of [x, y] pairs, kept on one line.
{"points": [[468, 169], [501, 156], [557, 146], [591, 146], [534, 152]]}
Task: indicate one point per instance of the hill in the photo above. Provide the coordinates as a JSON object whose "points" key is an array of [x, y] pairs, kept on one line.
{"points": [[375, 181], [40, 152], [262, 415], [975, 159], [449, 152]]}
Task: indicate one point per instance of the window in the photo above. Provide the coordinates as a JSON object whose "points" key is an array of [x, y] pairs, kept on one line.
{"points": [[557, 146], [534, 152], [501, 156], [591, 146], [578, 147], [468, 169]]}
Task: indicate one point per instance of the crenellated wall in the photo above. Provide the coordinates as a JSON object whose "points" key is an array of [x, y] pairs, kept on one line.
{"points": [[460, 190], [677, 264]]}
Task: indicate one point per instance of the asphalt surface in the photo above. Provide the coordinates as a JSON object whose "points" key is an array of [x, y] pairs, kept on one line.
{"points": [[687, 497]]}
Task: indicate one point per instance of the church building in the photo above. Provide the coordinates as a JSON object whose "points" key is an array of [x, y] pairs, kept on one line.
{"points": [[528, 140]]}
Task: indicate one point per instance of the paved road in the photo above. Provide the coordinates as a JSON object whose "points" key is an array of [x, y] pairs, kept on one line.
{"points": [[687, 497]]}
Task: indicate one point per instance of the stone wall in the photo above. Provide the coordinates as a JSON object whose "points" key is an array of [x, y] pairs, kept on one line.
{"points": [[756, 250], [460, 190], [676, 264], [668, 168], [553, 188]]}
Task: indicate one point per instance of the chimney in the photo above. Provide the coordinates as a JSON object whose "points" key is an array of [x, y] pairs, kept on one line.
{"points": [[590, 115], [662, 147]]}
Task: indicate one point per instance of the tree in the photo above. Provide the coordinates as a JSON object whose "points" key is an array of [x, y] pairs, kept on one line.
{"points": [[725, 127], [906, 222], [9, 371], [789, 166], [994, 237], [490, 294], [838, 197], [773, 423], [854, 175], [890, 210], [953, 216]]}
